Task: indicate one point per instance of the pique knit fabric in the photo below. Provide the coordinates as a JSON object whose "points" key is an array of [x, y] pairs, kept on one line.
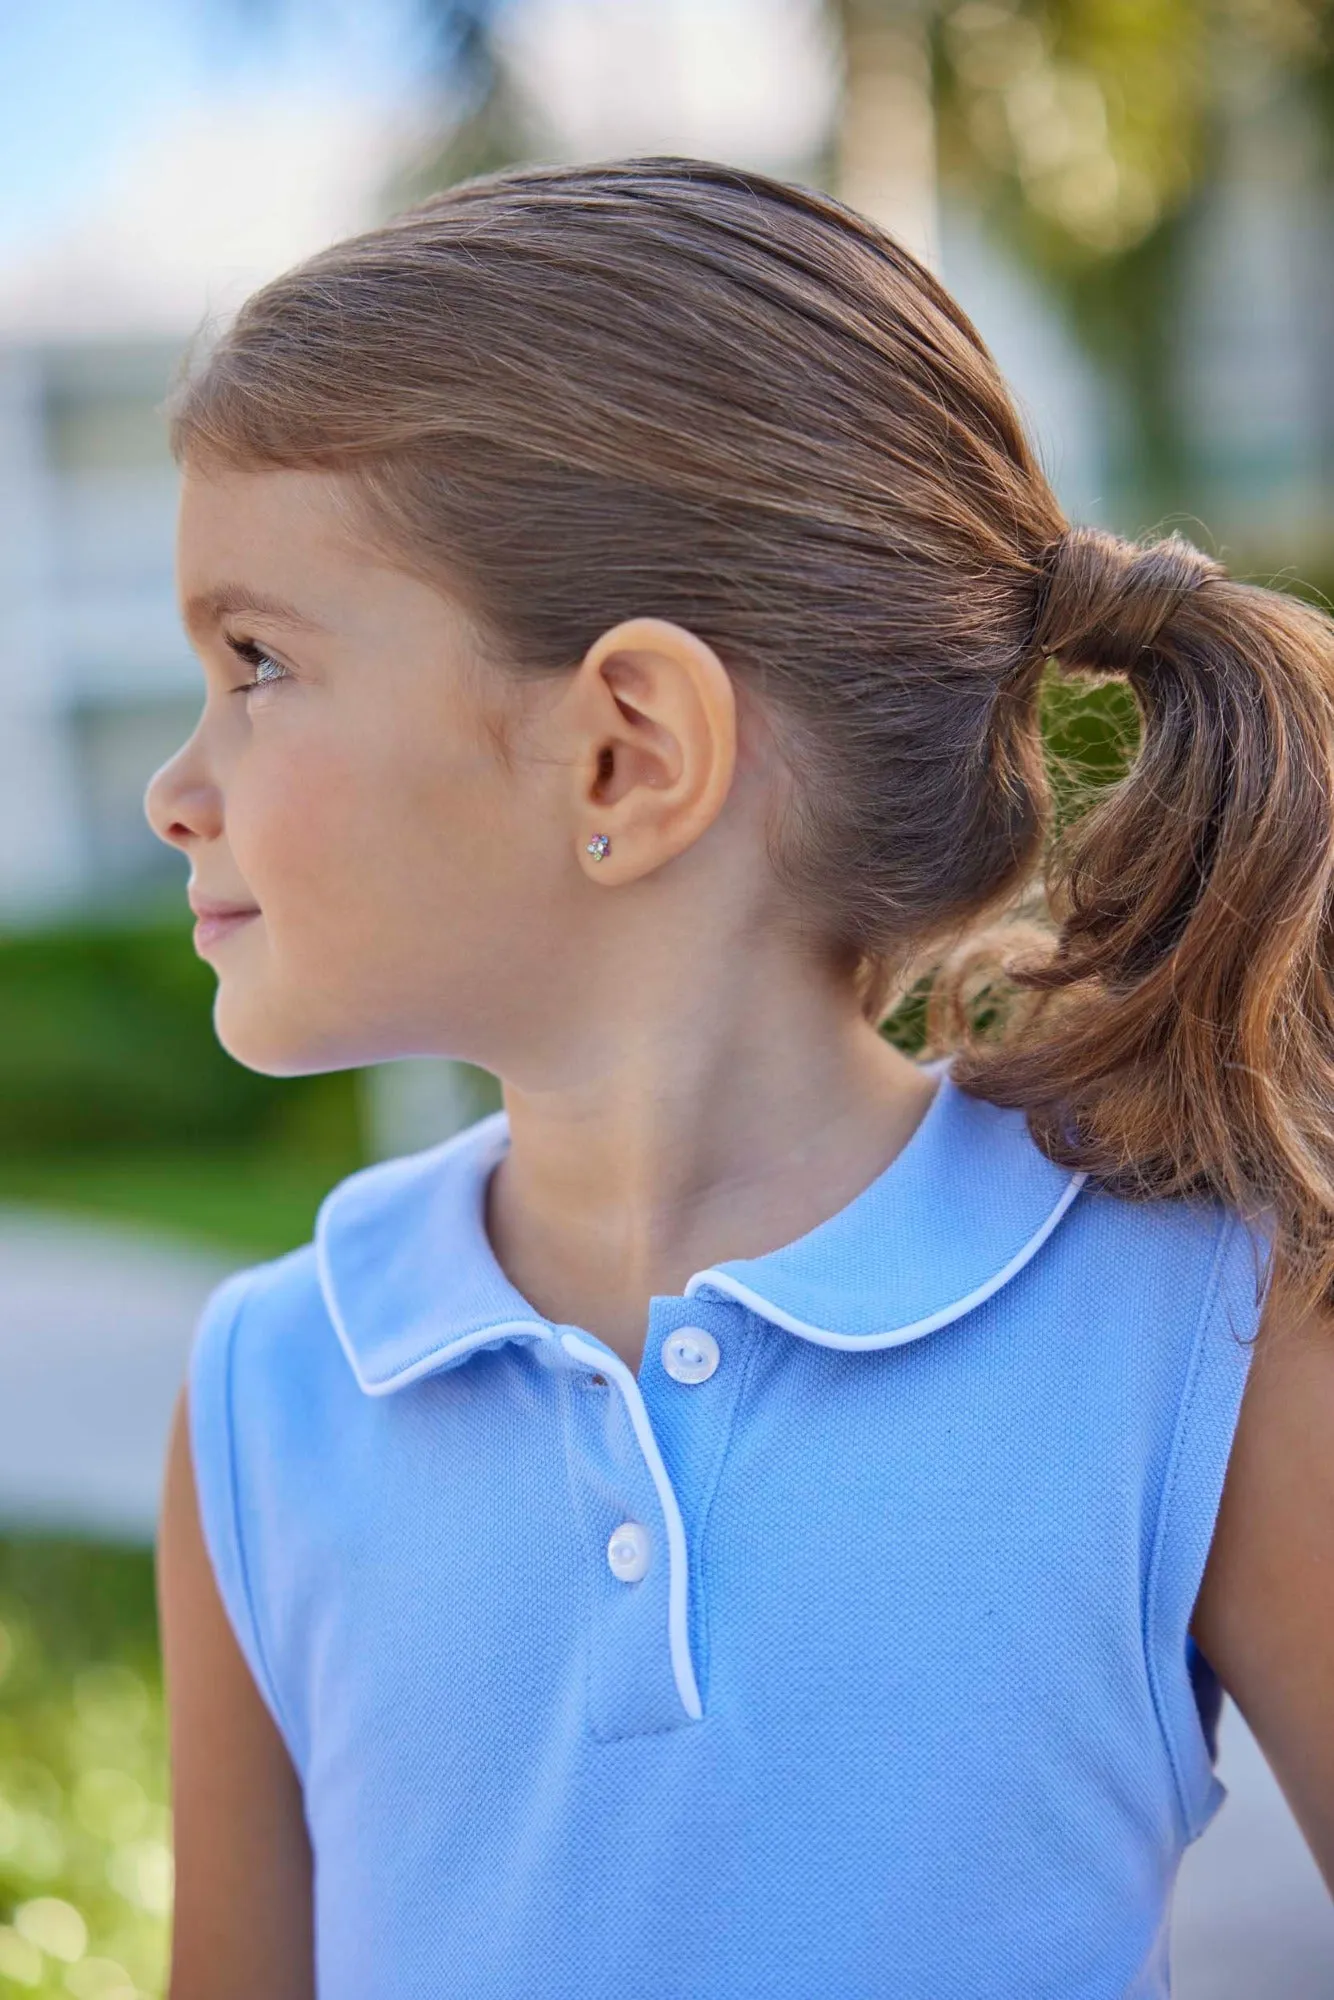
{"points": [[903, 1702]]}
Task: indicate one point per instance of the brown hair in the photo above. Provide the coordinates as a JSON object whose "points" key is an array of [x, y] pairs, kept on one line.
{"points": [[668, 386]]}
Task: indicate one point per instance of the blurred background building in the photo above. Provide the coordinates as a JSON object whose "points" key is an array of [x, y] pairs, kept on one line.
{"points": [[1136, 204]]}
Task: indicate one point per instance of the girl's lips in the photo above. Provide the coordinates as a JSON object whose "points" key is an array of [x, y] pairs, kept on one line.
{"points": [[208, 930]]}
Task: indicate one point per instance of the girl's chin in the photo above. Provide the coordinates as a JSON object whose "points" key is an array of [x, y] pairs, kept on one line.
{"points": [[267, 1039], [254, 1038]]}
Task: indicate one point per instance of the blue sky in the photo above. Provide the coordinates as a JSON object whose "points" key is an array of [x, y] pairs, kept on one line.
{"points": [[79, 80]]}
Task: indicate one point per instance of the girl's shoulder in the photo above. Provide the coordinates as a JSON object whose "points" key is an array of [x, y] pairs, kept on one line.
{"points": [[265, 1321], [387, 1239]]}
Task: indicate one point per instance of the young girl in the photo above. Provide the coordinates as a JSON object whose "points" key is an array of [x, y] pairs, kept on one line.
{"points": [[748, 1517]]}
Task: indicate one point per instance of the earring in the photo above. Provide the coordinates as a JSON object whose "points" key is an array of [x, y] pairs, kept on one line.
{"points": [[598, 846]]}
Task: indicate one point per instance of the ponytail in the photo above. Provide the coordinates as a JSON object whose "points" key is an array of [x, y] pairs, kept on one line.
{"points": [[886, 568], [1179, 1037]]}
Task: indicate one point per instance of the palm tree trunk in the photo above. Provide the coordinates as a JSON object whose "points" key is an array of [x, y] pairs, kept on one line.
{"points": [[886, 160]]}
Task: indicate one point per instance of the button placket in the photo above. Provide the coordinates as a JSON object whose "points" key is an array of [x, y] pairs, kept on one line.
{"points": [[641, 1675]]}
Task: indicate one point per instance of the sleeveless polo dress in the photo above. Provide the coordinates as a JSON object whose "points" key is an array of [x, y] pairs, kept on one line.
{"points": [[841, 1651]]}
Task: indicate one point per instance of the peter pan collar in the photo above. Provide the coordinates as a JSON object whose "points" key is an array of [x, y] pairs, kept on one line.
{"points": [[412, 1285]]}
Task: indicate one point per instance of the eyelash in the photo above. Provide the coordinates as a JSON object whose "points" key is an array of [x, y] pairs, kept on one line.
{"points": [[254, 655]]}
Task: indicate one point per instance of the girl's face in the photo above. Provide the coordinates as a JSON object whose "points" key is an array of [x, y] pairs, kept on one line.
{"points": [[357, 801]]}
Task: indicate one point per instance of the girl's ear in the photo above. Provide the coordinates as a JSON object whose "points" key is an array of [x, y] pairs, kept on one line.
{"points": [[655, 710]]}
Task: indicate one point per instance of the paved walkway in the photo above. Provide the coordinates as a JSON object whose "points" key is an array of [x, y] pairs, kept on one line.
{"points": [[95, 1327]]}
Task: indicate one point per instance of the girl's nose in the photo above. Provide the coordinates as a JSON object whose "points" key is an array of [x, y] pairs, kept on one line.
{"points": [[180, 805]]}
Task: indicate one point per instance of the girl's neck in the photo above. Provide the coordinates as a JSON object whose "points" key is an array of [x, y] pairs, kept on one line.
{"points": [[608, 1198]]}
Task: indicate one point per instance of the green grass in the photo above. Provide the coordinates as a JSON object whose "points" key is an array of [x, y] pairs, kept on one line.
{"points": [[85, 1839]]}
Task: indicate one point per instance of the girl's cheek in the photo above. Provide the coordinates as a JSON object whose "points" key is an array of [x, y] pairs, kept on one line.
{"points": [[268, 823], [298, 817]]}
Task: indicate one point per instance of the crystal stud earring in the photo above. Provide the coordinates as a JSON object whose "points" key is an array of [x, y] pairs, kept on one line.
{"points": [[598, 845]]}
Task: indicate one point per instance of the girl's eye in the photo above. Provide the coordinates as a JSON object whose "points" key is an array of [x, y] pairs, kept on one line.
{"points": [[268, 671]]}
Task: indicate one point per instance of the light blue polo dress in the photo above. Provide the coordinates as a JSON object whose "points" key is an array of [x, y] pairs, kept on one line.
{"points": [[841, 1651]]}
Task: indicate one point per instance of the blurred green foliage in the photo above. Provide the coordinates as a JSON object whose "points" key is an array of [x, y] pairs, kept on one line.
{"points": [[116, 1096], [1089, 135], [1091, 733], [249, 1202], [106, 1039], [85, 1835]]}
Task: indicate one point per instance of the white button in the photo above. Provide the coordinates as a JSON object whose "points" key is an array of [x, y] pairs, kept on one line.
{"points": [[690, 1354], [628, 1551]]}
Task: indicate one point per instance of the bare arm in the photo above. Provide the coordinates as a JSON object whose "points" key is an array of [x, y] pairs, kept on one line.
{"points": [[1264, 1618], [242, 1920]]}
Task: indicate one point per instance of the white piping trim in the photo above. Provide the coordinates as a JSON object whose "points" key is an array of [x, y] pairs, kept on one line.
{"points": [[824, 1337], [678, 1641], [436, 1357]]}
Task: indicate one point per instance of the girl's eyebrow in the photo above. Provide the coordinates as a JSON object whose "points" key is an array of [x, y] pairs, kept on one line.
{"points": [[208, 608]]}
